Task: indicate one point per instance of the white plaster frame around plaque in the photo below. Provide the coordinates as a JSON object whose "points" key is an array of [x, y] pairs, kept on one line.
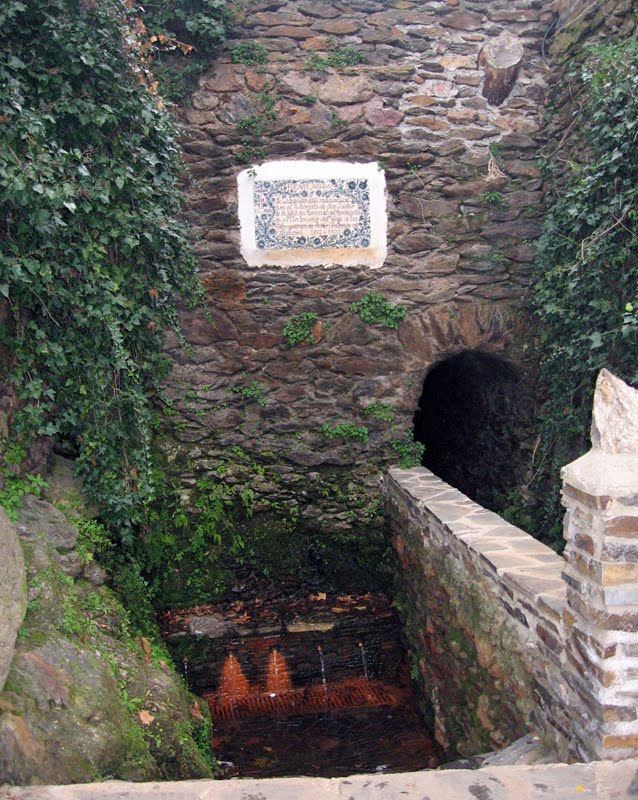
{"points": [[340, 220]]}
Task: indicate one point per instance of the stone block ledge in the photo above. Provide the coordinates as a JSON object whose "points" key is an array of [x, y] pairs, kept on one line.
{"points": [[600, 780], [526, 566]]}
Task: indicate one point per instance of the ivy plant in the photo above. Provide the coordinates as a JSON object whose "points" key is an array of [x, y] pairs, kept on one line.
{"points": [[183, 38], [586, 281], [92, 250]]}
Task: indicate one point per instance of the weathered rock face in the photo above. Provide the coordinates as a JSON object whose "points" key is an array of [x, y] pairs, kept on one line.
{"points": [[39, 521], [13, 597], [461, 220], [85, 699], [614, 426], [581, 20]]}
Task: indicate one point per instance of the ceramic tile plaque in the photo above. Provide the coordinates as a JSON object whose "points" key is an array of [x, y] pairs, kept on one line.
{"points": [[313, 212]]}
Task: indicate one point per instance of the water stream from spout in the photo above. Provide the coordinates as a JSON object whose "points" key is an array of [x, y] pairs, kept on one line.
{"points": [[278, 679], [323, 671], [233, 684], [364, 660]]}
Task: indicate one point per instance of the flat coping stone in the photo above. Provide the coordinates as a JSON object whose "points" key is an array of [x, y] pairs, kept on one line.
{"points": [[604, 780]]}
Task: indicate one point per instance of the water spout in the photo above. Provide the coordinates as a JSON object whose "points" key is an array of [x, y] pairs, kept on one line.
{"points": [[364, 660], [323, 671], [278, 679], [233, 684]]}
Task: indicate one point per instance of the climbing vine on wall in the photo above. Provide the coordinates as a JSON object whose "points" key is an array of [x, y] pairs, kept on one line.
{"points": [[185, 36], [586, 291], [92, 252]]}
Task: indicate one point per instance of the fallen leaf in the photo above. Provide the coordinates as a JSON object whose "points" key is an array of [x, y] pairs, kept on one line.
{"points": [[195, 711], [146, 645], [145, 717], [163, 664], [318, 596], [337, 610]]}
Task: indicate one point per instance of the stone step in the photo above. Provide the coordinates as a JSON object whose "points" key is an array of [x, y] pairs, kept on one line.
{"points": [[603, 780]]}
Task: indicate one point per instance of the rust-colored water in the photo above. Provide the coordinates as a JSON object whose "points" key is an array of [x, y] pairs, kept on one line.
{"points": [[350, 694], [233, 684], [338, 728], [278, 678], [328, 693]]}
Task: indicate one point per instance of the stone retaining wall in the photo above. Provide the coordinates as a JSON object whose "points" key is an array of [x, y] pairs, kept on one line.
{"points": [[461, 229], [507, 635], [483, 603]]}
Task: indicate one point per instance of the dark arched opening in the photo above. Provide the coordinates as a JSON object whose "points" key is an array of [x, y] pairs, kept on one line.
{"points": [[472, 418]]}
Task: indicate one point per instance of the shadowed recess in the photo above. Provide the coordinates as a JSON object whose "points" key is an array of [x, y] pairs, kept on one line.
{"points": [[472, 418]]}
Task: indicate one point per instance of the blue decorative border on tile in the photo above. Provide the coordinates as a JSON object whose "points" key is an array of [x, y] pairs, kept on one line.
{"points": [[266, 193]]}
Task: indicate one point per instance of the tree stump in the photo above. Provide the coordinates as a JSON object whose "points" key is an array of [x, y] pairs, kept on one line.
{"points": [[501, 59]]}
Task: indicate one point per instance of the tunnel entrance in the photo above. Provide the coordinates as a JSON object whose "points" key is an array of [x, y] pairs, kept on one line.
{"points": [[473, 418]]}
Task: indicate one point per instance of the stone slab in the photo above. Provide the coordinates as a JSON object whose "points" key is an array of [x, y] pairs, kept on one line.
{"points": [[599, 473], [604, 780]]}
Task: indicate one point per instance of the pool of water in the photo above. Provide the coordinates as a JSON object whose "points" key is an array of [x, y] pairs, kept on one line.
{"points": [[316, 686]]}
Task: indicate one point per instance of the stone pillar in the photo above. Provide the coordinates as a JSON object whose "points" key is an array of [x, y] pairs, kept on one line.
{"points": [[600, 493]]}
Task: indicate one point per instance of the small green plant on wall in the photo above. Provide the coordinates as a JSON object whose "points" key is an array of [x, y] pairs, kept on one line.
{"points": [[338, 58], [384, 412], [255, 392], [496, 150], [249, 53], [253, 125], [249, 153], [374, 309], [337, 122], [298, 329], [495, 199], [410, 453], [346, 431]]}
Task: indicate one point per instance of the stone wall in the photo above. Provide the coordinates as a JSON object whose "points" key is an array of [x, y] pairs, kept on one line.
{"points": [[507, 635], [460, 241], [482, 603]]}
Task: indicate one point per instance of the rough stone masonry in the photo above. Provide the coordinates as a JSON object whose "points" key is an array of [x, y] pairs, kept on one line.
{"points": [[464, 203], [462, 219]]}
